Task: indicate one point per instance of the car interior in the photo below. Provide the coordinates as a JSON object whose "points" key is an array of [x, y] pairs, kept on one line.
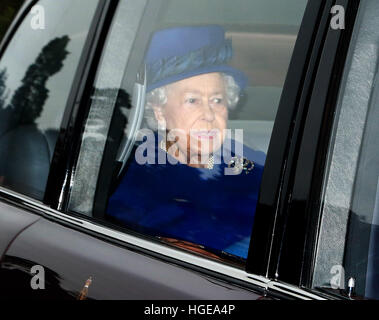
{"points": [[26, 156]]}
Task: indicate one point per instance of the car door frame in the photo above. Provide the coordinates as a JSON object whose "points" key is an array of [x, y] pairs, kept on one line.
{"points": [[297, 211]]}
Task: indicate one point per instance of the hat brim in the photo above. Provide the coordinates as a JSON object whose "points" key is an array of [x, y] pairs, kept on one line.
{"points": [[239, 77]]}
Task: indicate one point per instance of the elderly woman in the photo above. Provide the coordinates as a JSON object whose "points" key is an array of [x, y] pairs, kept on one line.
{"points": [[204, 193]]}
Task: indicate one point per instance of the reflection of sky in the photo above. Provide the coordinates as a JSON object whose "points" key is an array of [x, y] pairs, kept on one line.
{"points": [[68, 17]]}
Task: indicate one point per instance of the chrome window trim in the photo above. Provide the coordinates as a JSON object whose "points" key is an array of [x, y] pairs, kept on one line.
{"points": [[266, 284]]}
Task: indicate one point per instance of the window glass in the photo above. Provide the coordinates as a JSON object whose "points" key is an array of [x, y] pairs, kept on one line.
{"points": [[181, 118], [8, 10], [347, 247], [36, 73]]}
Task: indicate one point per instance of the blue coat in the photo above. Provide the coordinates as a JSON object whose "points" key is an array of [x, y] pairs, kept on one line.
{"points": [[200, 205]]}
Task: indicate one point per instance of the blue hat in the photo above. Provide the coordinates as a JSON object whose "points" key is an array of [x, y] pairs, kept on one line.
{"points": [[178, 53]]}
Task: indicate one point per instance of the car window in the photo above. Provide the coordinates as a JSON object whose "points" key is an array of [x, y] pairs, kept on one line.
{"points": [[8, 10], [347, 252], [181, 117], [36, 74]]}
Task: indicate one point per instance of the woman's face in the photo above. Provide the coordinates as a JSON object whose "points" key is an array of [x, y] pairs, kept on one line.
{"points": [[196, 113]]}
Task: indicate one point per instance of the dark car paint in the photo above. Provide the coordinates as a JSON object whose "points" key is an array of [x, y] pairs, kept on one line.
{"points": [[70, 258], [12, 222]]}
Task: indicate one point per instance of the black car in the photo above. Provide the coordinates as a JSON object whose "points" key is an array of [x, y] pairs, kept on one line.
{"points": [[73, 87]]}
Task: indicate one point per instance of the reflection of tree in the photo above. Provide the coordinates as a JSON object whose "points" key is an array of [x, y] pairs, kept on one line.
{"points": [[109, 94], [104, 130], [5, 114], [18, 123], [3, 78], [28, 100]]}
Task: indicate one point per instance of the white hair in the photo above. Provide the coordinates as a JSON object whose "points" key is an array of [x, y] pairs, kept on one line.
{"points": [[158, 97]]}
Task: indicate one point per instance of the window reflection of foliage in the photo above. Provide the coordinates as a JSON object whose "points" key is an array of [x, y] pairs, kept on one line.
{"points": [[101, 98], [3, 79], [5, 113], [28, 100], [104, 130], [123, 99], [8, 9]]}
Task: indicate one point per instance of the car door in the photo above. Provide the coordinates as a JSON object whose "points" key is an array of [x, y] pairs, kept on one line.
{"points": [[79, 252], [340, 252], [14, 222]]}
